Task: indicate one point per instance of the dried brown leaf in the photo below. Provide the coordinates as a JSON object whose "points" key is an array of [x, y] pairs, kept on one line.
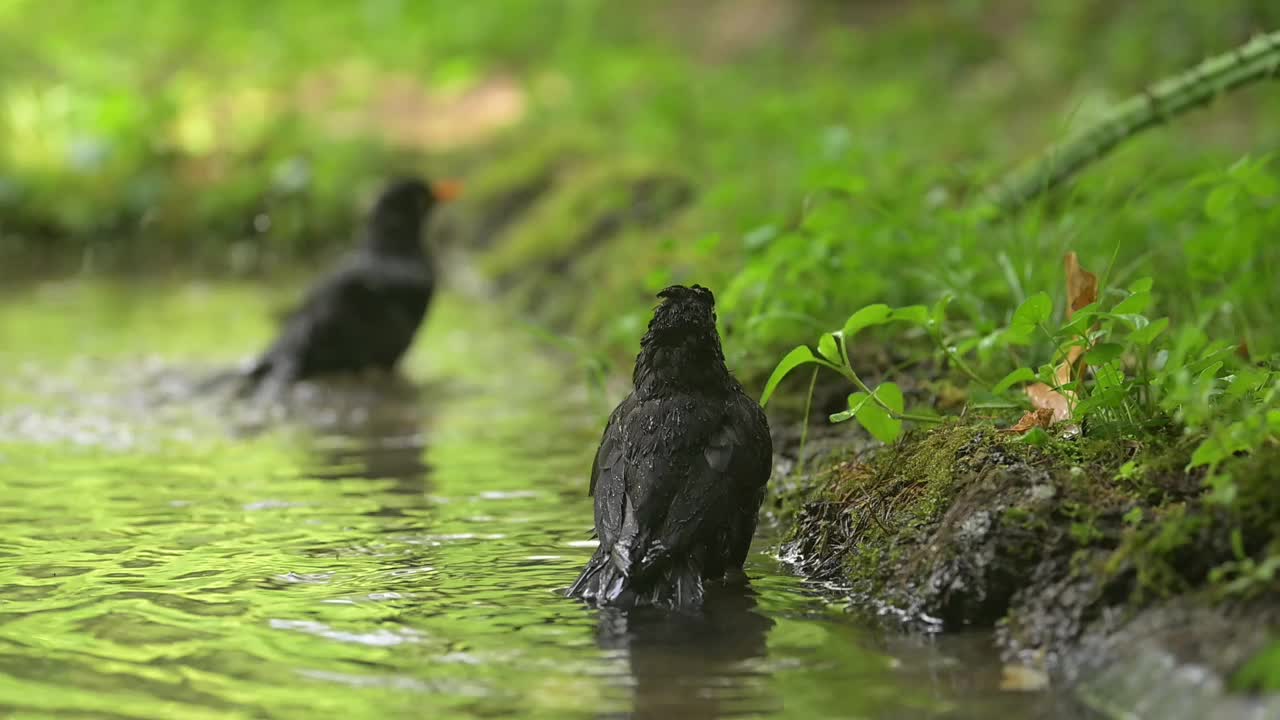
{"points": [[1082, 290], [1082, 285], [1046, 398], [1039, 418]]}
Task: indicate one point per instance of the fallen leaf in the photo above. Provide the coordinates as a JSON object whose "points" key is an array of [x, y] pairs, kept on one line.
{"points": [[1038, 418], [1046, 399], [1082, 290], [1082, 285], [1023, 679]]}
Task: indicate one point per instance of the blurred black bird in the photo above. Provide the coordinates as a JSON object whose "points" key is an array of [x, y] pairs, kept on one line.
{"points": [[681, 470], [364, 314]]}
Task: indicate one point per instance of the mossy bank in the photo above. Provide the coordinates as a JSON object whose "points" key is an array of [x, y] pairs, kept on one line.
{"points": [[1098, 560]]}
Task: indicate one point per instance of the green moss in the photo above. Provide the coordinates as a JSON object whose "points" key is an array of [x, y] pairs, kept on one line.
{"points": [[1025, 518], [1084, 533], [587, 205], [862, 512], [920, 515], [1175, 540], [930, 464], [524, 159]]}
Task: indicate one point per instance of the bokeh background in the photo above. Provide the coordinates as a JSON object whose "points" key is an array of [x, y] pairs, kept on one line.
{"points": [[804, 156]]}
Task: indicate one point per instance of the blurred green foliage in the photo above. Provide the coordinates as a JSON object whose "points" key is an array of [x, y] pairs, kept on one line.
{"points": [[834, 147]]}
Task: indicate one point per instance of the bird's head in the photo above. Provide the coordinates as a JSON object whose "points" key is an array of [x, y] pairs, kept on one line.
{"points": [[683, 312], [402, 208], [681, 348]]}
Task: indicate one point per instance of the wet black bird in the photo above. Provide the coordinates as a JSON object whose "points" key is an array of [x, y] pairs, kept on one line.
{"points": [[365, 313], [681, 470]]}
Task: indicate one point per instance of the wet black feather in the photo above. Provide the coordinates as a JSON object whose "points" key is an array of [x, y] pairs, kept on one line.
{"points": [[681, 469]]}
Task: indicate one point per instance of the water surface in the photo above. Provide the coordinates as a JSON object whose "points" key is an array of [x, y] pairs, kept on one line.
{"points": [[381, 549]]}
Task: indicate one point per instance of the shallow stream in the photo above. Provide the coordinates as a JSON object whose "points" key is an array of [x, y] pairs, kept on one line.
{"points": [[381, 549]]}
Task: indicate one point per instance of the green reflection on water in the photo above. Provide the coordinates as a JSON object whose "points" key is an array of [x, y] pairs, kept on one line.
{"points": [[396, 551]]}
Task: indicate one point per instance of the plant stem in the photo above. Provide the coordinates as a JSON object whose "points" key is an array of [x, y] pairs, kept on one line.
{"points": [[849, 373], [955, 358], [804, 427], [1255, 60]]}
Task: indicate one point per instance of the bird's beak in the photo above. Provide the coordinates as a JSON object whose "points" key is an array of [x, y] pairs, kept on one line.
{"points": [[446, 190]]}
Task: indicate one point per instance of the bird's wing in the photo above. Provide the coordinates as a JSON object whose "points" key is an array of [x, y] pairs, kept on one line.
{"points": [[336, 315], [749, 472], [609, 454], [707, 487], [609, 473], [752, 466], [676, 464]]}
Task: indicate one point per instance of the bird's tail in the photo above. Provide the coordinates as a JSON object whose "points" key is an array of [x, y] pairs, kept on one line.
{"points": [[219, 380], [241, 381], [676, 585]]}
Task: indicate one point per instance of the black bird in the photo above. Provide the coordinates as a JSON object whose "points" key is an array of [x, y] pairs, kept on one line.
{"points": [[681, 471], [365, 313]]}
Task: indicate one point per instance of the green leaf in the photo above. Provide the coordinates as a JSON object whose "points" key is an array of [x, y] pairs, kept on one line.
{"points": [[1245, 381], [829, 348], [1048, 374], [890, 394], [1128, 471], [1210, 372], [1216, 352], [1109, 376], [1130, 321], [1237, 544], [914, 314], [1036, 436], [798, 356], [1134, 304], [1079, 323], [1211, 452], [1141, 285], [1022, 374], [1032, 313], [877, 314], [882, 426], [939, 313], [1222, 491], [1260, 183], [855, 403], [1220, 205], [1144, 336], [1103, 353]]}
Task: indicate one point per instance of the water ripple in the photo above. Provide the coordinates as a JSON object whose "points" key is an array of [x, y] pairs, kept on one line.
{"points": [[367, 549]]}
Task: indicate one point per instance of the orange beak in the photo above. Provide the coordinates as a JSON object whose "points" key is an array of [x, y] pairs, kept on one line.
{"points": [[446, 190]]}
